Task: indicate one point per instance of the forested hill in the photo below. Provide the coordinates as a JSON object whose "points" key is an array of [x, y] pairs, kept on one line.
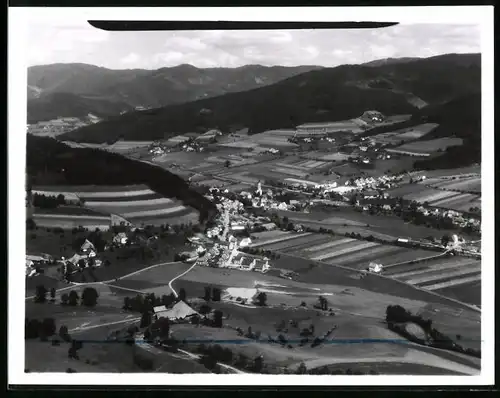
{"points": [[50, 162], [87, 88]]}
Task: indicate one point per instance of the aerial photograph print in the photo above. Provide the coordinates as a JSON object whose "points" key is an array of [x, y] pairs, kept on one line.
{"points": [[253, 201]]}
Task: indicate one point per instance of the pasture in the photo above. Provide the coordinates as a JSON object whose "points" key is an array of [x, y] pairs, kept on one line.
{"points": [[441, 197], [455, 275], [472, 184], [72, 220], [404, 135], [427, 147]]}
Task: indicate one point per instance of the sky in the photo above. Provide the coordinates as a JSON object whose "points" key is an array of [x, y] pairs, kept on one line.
{"points": [[67, 42]]}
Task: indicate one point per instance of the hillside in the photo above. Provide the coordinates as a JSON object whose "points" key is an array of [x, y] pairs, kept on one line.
{"points": [[50, 162], [52, 106], [327, 94], [461, 118], [388, 61], [128, 89]]}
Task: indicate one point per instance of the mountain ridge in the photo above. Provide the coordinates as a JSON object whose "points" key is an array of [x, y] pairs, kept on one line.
{"points": [[326, 94], [142, 87]]}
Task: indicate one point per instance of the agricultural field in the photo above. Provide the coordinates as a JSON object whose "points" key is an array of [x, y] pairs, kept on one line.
{"points": [[385, 227], [329, 157], [124, 147], [426, 148], [69, 218], [136, 204], [457, 276], [349, 304], [343, 251], [472, 184], [269, 139], [404, 135], [438, 197], [351, 126]]}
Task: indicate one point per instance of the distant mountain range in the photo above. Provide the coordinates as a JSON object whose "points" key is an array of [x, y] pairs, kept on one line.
{"points": [[322, 94], [77, 89]]}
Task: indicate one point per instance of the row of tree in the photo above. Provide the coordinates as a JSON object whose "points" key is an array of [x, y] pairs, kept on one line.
{"points": [[48, 201], [88, 298], [34, 328], [211, 355]]}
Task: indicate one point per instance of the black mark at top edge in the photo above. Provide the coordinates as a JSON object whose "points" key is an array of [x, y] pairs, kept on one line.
{"points": [[231, 25]]}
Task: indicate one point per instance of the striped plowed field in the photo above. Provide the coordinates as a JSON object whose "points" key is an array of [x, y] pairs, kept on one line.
{"points": [[460, 277], [466, 184], [295, 243], [289, 236], [460, 202], [401, 271], [362, 258]]}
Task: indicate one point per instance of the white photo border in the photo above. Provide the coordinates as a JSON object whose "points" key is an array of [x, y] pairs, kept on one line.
{"points": [[18, 21]]}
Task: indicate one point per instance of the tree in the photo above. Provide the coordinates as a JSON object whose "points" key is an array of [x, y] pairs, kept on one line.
{"points": [[89, 297], [73, 298], [30, 224], [205, 309], [227, 163], [302, 369], [31, 328], [145, 319], [182, 294], [216, 294], [323, 304], [64, 299], [208, 293], [52, 294], [262, 299], [40, 294], [218, 318], [64, 334], [208, 361], [48, 327], [445, 240], [396, 313], [258, 364], [126, 303]]}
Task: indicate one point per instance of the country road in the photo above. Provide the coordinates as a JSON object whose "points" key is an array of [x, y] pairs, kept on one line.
{"points": [[77, 284], [412, 357], [177, 277], [196, 357]]}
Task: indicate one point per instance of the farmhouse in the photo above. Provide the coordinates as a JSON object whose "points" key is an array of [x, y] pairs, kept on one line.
{"points": [[87, 247], [297, 182], [120, 238], [178, 312]]}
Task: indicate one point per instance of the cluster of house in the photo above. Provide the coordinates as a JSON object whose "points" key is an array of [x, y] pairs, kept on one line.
{"points": [[86, 256], [34, 262], [457, 218], [61, 125], [218, 247]]}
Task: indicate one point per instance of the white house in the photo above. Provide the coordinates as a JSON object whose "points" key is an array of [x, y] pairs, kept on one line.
{"points": [[120, 238], [245, 242], [87, 246], [178, 312]]}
